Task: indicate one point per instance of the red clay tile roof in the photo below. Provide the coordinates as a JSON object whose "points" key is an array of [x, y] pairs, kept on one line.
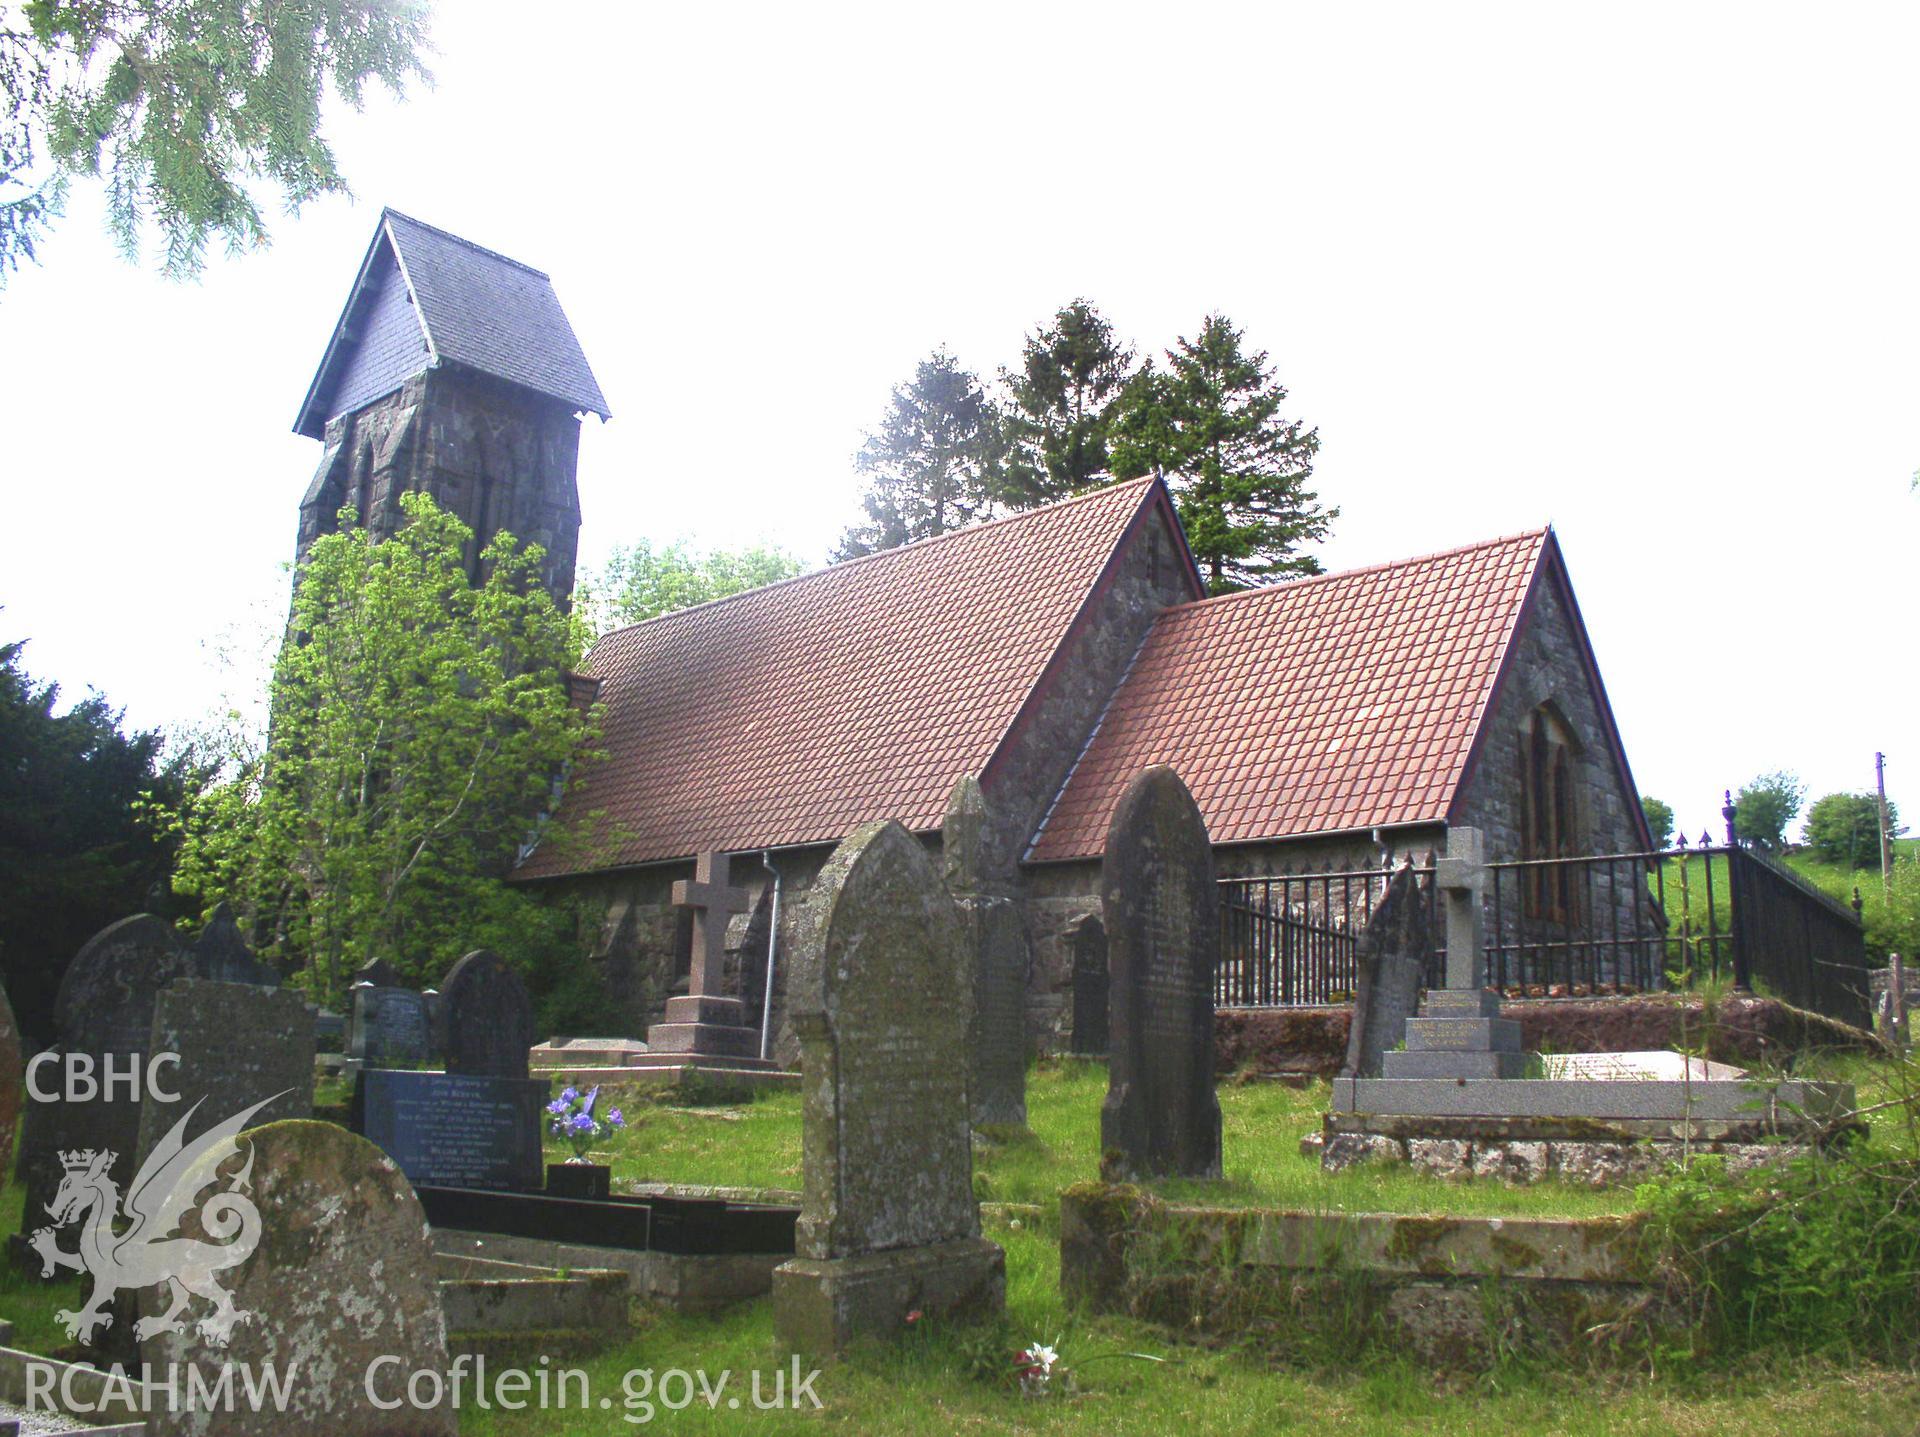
{"points": [[794, 713], [1342, 702]]}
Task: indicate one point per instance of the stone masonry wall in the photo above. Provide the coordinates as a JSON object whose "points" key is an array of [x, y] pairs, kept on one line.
{"points": [[499, 456]]}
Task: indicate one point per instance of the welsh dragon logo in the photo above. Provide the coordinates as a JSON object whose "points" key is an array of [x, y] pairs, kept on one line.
{"points": [[147, 1250]]}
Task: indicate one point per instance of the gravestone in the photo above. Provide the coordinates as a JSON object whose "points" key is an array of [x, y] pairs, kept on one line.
{"points": [[995, 938], [488, 1018], [436, 1025], [703, 1026], [1162, 917], [1090, 984], [456, 1130], [389, 1029], [342, 1276], [221, 954], [381, 974], [12, 1086], [881, 995], [1391, 968], [103, 1010], [239, 1044]]}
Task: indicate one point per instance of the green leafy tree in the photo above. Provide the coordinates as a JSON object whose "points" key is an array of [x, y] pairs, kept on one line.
{"points": [[1209, 423], [642, 581], [1764, 808], [74, 855], [1845, 828], [1659, 820], [1071, 375], [181, 105], [421, 722], [934, 463]]}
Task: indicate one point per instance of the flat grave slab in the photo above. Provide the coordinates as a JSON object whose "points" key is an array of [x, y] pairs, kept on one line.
{"points": [[1787, 1104], [1657, 1065]]}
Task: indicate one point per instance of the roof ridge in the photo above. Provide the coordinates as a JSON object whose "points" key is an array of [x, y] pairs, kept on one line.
{"points": [[1005, 519], [1289, 586], [388, 211]]}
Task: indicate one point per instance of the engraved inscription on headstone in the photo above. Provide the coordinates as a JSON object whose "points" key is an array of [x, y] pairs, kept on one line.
{"points": [[1163, 939], [457, 1130]]}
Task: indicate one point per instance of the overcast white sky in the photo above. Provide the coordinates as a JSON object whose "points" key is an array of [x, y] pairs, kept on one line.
{"points": [[1650, 272]]}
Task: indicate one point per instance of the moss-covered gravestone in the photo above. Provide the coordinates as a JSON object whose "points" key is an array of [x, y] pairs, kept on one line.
{"points": [[993, 935], [239, 1044], [487, 1018], [11, 1078], [103, 1014], [1162, 917], [881, 996], [338, 1294]]}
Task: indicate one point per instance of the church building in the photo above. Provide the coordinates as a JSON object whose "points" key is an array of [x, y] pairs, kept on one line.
{"points": [[1050, 656]]}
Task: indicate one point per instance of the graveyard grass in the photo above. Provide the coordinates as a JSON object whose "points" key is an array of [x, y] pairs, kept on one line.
{"points": [[932, 1382]]}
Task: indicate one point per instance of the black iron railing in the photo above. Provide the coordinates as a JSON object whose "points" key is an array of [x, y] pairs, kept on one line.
{"points": [[1290, 939], [1595, 925]]}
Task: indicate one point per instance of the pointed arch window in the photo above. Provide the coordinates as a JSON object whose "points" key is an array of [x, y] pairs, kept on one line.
{"points": [[1550, 813]]}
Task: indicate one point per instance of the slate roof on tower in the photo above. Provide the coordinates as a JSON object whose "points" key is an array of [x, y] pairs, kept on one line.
{"points": [[793, 713], [1333, 704], [425, 297]]}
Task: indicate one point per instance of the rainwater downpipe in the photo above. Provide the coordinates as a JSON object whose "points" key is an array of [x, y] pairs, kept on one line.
{"points": [[773, 943]]}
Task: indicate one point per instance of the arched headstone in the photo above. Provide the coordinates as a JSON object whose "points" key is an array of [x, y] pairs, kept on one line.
{"points": [[1162, 917], [487, 1017], [338, 1290]]}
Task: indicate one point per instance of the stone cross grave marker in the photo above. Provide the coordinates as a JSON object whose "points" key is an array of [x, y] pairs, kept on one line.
{"points": [[239, 1044], [881, 996], [340, 1275], [703, 1023], [1391, 968], [1461, 1034], [996, 941], [1162, 916], [389, 1027], [487, 1018], [103, 1013]]}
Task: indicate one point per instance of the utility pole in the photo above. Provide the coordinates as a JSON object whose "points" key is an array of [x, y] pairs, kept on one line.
{"points": [[1886, 836]]}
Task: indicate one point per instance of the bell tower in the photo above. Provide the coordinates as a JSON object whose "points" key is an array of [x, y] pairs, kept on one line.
{"points": [[453, 372]]}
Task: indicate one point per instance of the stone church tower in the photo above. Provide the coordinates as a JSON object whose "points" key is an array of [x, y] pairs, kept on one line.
{"points": [[452, 372]]}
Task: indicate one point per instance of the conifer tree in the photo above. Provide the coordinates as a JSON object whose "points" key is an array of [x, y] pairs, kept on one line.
{"points": [[934, 463], [1210, 425], [1071, 373]]}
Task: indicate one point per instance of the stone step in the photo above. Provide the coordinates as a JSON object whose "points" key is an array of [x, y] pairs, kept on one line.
{"points": [[1452, 1063]]}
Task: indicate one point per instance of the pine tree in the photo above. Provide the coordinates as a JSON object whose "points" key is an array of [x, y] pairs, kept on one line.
{"points": [[1070, 375], [934, 463], [1210, 424]]}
